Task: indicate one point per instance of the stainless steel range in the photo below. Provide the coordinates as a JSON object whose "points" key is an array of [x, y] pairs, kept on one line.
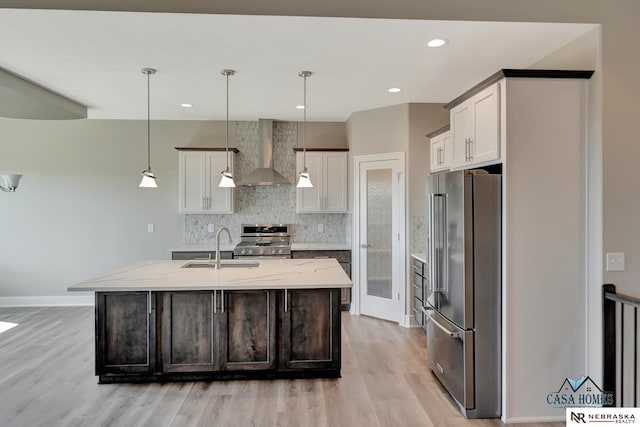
{"points": [[264, 241]]}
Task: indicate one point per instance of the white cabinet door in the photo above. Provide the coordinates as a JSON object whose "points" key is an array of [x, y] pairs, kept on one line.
{"points": [[310, 199], [328, 174], [462, 131], [191, 182], [485, 145], [335, 182], [441, 150], [219, 200], [435, 153], [198, 179], [475, 127]]}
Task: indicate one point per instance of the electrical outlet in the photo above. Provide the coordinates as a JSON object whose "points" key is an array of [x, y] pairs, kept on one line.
{"points": [[320, 228], [211, 228], [615, 261], [150, 228]]}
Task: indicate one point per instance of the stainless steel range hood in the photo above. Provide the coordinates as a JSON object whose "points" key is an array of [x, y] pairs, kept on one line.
{"points": [[265, 174]]}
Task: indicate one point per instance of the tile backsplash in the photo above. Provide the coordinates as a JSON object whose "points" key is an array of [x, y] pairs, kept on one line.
{"points": [[266, 205], [418, 235]]}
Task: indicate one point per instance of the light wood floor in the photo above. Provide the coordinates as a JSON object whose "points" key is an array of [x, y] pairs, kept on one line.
{"points": [[46, 379]]}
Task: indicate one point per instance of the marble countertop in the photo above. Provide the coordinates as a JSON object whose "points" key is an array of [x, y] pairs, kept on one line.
{"points": [[420, 257], [270, 274]]}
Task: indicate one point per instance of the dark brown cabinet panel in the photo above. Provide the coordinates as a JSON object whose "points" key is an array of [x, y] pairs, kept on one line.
{"points": [[341, 256], [125, 332], [188, 342], [247, 330], [200, 255], [310, 329], [208, 335]]}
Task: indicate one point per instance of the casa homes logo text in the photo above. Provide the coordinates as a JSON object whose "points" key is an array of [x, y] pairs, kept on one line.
{"points": [[602, 416], [583, 392]]}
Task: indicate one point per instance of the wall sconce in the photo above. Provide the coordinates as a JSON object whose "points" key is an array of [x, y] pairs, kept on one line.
{"points": [[10, 182]]}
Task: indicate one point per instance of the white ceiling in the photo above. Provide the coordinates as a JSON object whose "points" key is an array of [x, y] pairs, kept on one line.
{"points": [[95, 58]]}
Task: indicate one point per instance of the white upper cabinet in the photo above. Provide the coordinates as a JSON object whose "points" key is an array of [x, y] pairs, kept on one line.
{"points": [[441, 152], [328, 174], [475, 128], [198, 179]]}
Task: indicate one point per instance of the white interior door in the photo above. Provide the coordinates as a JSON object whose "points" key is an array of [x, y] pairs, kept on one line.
{"points": [[380, 235]]}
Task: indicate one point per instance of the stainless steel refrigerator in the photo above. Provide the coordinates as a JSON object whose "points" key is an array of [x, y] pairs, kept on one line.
{"points": [[463, 303]]}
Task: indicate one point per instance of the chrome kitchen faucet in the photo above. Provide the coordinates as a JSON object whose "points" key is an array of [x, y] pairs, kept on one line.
{"points": [[220, 230]]}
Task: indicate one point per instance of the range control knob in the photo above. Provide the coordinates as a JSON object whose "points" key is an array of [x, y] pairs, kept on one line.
{"points": [[273, 251], [242, 252], [250, 251], [280, 251]]}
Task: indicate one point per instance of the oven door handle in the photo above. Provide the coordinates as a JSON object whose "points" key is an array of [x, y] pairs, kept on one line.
{"points": [[452, 334]]}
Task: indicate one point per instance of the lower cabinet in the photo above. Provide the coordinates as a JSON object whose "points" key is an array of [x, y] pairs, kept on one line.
{"points": [[188, 339], [177, 255], [125, 333], [419, 292], [247, 330], [311, 329], [217, 334]]}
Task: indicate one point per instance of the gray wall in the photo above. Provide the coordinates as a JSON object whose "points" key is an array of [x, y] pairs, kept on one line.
{"points": [[423, 119], [79, 213]]}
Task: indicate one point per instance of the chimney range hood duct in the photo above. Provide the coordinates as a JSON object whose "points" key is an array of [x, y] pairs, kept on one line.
{"points": [[265, 174]]}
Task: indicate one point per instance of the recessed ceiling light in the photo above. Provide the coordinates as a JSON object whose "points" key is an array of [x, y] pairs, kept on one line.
{"points": [[437, 42], [394, 90], [300, 107], [185, 105]]}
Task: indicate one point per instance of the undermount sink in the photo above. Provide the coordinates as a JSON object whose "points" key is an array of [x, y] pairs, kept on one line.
{"points": [[226, 263]]}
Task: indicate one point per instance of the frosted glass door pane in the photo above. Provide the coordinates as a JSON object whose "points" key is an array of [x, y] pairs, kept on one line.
{"points": [[379, 199]]}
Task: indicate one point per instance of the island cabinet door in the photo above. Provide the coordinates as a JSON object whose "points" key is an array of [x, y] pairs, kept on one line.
{"points": [[247, 330], [188, 338], [310, 337], [125, 332]]}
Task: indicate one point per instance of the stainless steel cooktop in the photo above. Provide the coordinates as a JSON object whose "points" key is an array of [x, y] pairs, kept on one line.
{"points": [[264, 240]]}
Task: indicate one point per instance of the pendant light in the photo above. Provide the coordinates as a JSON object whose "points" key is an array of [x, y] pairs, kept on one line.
{"points": [[148, 178], [10, 181], [227, 176], [304, 181]]}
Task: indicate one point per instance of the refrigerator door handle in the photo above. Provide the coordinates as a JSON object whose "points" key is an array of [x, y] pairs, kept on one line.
{"points": [[452, 334], [432, 258], [433, 264], [439, 242]]}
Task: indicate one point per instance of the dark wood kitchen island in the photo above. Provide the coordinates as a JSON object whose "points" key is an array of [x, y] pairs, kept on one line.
{"points": [[161, 321]]}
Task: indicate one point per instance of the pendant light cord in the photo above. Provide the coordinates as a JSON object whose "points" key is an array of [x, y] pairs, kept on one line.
{"points": [[304, 129], [227, 128], [148, 123]]}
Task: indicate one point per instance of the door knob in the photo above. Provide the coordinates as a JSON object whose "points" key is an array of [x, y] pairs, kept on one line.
{"points": [[364, 246]]}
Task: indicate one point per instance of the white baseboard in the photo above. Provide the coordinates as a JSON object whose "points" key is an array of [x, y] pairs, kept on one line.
{"points": [[406, 322], [533, 420], [48, 301]]}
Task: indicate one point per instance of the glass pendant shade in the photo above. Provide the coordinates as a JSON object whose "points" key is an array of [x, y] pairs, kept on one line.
{"points": [[10, 182], [148, 180], [303, 180], [226, 179]]}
